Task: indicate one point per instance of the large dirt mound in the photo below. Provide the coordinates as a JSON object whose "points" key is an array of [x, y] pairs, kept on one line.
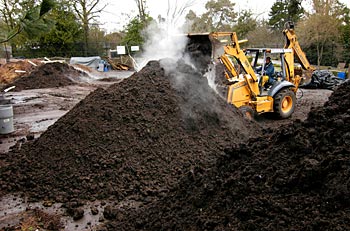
{"points": [[135, 138], [295, 178], [48, 75]]}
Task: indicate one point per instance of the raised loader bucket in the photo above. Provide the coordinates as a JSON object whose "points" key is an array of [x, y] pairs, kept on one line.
{"points": [[306, 77], [203, 49]]}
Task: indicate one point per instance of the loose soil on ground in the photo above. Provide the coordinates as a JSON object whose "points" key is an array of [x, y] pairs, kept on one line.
{"points": [[292, 178], [172, 154]]}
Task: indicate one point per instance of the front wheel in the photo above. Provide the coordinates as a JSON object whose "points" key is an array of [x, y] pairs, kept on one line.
{"points": [[248, 113], [284, 103]]}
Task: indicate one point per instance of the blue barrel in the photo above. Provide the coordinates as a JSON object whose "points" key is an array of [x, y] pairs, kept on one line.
{"points": [[341, 75]]}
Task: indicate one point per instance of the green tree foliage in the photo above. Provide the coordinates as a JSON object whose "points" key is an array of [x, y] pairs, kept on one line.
{"points": [[263, 36], [345, 37], [220, 16], [31, 20], [114, 39], [194, 23], [245, 24], [141, 6], [283, 11], [22, 21], [134, 31], [62, 39], [10, 12], [97, 41], [320, 33], [87, 11]]}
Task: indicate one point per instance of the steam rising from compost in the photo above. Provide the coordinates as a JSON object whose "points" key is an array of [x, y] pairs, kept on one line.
{"points": [[211, 75], [162, 43], [169, 46]]}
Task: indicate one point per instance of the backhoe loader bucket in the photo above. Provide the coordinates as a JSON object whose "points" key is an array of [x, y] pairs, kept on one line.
{"points": [[203, 49], [306, 77], [207, 48]]}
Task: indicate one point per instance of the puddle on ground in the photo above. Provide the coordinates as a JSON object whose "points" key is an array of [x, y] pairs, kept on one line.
{"points": [[12, 208]]}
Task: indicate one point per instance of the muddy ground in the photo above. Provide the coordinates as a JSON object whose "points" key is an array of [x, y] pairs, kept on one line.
{"points": [[44, 93], [107, 147]]}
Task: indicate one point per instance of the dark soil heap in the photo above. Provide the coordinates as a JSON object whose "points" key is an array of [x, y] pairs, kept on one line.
{"points": [[46, 76], [296, 178], [134, 139], [8, 71]]}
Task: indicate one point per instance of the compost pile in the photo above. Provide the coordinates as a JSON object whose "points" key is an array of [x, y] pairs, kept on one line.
{"points": [[11, 71], [294, 178], [47, 76], [132, 140]]}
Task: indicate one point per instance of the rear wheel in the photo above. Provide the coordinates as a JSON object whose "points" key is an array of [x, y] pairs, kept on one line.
{"points": [[248, 113], [284, 103]]}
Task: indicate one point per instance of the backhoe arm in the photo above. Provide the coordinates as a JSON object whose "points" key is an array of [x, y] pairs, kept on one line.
{"points": [[233, 49], [292, 42], [232, 72]]}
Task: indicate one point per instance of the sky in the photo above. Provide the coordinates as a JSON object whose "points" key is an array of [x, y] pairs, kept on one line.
{"points": [[118, 12]]}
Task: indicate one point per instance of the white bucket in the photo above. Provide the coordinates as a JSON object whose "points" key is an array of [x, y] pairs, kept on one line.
{"points": [[6, 119], [101, 67]]}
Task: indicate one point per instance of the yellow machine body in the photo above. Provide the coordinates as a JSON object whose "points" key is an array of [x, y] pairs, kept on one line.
{"points": [[240, 95]]}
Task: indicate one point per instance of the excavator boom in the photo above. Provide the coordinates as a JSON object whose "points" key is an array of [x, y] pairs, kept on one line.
{"points": [[291, 41]]}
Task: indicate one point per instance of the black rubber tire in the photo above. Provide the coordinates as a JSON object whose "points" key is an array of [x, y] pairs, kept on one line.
{"points": [[284, 103], [248, 113]]}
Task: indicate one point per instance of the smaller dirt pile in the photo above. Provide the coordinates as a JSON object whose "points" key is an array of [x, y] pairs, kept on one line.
{"points": [[46, 76]]}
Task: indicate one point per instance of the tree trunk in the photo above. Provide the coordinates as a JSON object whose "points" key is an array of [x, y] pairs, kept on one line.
{"points": [[86, 39], [141, 7]]}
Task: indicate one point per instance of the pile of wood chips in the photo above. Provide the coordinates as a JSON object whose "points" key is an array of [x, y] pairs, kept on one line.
{"points": [[116, 65], [17, 68]]}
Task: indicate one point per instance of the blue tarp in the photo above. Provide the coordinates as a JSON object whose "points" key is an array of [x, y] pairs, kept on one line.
{"points": [[87, 61]]}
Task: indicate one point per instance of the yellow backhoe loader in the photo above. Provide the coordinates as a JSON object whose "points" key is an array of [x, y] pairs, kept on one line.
{"points": [[245, 86]]}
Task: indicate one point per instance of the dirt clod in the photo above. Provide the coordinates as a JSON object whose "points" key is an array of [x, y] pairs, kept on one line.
{"points": [[109, 212], [94, 211], [76, 213]]}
